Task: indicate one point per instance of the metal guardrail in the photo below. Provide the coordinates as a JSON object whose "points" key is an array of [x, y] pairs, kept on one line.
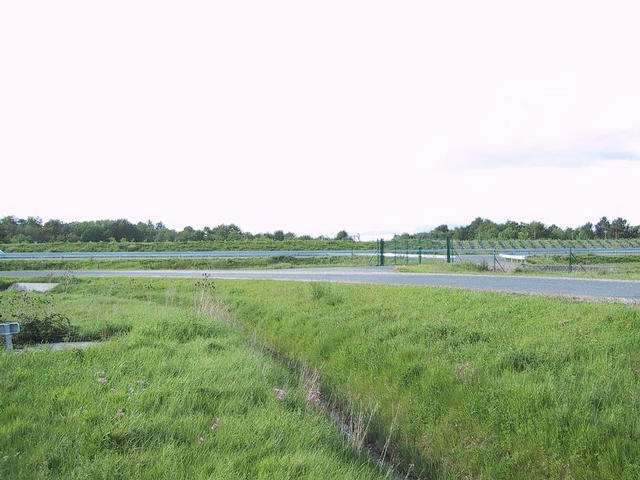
{"points": [[310, 253], [209, 254]]}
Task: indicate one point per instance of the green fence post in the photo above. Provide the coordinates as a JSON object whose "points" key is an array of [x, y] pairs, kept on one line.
{"points": [[419, 255], [406, 259], [570, 260], [381, 252], [448, 250], [395, 251]]}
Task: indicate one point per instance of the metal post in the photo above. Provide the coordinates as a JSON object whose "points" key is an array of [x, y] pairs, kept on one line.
{"points": [[494, 260], [570, 260], [395, 251], [8, 329], [381, 252], [420, 255], [448, 250], [406, 259]]}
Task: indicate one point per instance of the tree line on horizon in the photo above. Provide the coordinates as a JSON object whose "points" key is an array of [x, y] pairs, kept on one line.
{"points": [[34, 230], [485, 229]]}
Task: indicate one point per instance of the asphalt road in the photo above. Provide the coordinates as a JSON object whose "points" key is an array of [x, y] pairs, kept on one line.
{"points": [[575, 287]]}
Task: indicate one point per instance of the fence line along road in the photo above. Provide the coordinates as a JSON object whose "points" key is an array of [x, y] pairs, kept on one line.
{"points": [[574, 287], [198, 254]]}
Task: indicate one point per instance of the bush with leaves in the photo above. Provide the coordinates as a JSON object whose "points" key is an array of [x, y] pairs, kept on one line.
{"points": [[39, 322]]}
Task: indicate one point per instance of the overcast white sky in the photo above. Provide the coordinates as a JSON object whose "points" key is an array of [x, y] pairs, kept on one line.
{"points": [[317, 116]]}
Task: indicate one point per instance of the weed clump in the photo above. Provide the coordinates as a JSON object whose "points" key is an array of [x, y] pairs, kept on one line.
{"points": [[39, 322], [324, 293]]}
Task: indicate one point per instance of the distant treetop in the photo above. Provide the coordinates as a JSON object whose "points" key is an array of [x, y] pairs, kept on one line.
{"points": [[33, 229]]}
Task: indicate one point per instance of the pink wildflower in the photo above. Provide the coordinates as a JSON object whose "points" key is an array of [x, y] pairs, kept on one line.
{"points": [[280, 393], [102, 379], [314, 395]]}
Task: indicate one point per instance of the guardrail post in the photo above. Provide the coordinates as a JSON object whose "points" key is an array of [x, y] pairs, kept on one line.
{"points": [[8, 329]]}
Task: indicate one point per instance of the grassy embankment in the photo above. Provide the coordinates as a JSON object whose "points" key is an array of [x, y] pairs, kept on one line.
{"points": [[184, 397], [238, 245], [469, 384], [464, 384], [623, 267], [280, 261], [300, 244]]}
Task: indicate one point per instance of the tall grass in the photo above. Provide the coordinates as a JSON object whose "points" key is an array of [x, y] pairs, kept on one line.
{"points": [[278, 261], [175, 395], [479, 385], [452, 384], [465, 384]]}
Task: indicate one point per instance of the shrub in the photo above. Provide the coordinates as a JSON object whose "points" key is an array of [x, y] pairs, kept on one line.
{"points": [[52, 327], [39, 322]]}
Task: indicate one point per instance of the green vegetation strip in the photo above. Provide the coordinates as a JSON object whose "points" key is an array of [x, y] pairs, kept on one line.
{"points": [[475, 385], [180, 396], [458, 384], [585, 259], [278, 261], [619, 270], [188, 246]]}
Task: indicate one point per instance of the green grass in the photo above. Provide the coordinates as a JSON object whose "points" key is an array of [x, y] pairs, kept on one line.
{"points": [[586, 259], [171, 376], [257, 244], [298, 244], [614, 270], [279, 261], [480, 385], [463, 384], [492, 244], [439, 266]]}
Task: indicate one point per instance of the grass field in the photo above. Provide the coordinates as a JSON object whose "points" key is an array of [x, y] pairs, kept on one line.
{"points": [[461, 384], [299, 244], [280, 261], [237, 245], [621, 268], [184, 397]]}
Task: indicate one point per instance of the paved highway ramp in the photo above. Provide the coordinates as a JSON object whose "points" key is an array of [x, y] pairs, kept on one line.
{"points": [[575, 287]]}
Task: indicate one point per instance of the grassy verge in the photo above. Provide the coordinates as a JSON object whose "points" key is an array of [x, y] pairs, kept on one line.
{"points": [[477, 385], [464, 384], [586, 259], [281, 261], [621, 271], [440, 266], [183, 396], [191, 246]]}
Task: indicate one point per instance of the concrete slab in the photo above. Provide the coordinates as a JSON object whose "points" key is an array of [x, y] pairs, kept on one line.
{"points": [[33, 287], [58, 346]]}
